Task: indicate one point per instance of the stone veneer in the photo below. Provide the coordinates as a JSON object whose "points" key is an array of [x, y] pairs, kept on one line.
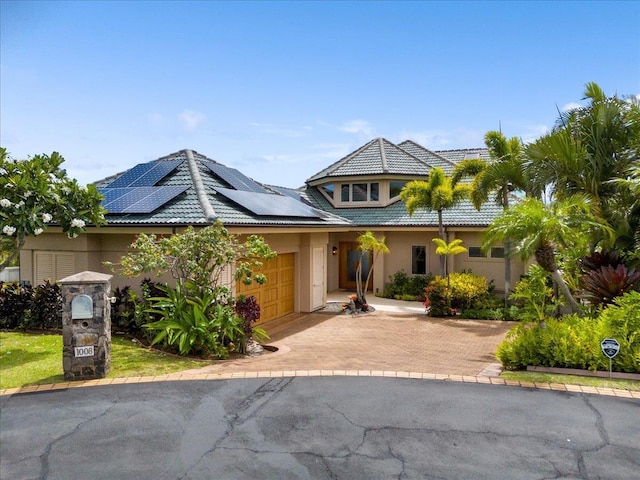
{"points": [[86, 332]]}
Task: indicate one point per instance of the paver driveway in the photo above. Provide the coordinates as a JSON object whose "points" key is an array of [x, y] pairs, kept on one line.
{"points": [[378, 341]]}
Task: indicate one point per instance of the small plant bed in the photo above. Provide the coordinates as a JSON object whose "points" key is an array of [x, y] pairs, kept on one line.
{"points": [[539, 377]]}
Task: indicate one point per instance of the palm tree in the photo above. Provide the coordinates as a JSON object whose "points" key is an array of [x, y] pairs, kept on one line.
{"points": [[437, 193], [367, 242], [445, 249], [588, 150], [503, 174], [541, 230]]}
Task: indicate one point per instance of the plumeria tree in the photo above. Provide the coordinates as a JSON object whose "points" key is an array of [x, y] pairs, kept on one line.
{"points": [[36, 193]]}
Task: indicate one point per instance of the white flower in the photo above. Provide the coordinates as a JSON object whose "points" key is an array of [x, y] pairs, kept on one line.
{"points": [[76, 222], [20, 204], [47, 217], [38, 231], [8, 230], [5, 203]]}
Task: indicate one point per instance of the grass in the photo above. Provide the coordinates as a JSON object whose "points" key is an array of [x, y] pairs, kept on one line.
{"points": [[36, 359], [541, 377]]}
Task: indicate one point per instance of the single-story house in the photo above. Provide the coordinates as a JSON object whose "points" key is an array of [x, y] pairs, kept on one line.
{"points": [[313, 229]]}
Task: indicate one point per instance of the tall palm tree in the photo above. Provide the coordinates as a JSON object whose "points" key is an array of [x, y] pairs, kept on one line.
{"points": [[500, 176], [436, 194], [541, 230]]}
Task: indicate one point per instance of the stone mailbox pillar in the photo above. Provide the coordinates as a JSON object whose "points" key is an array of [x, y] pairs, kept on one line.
{"points": [[86, 325]]}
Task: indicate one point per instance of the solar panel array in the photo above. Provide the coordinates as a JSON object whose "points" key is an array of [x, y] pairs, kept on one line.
{"points": [[233, 177], [265, 204], [145, 174], [139, 199]]}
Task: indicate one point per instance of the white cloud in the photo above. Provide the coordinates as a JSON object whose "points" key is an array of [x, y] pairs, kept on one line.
{"points": [[288, 132], [191, 119], [534, 132], [358, 126]]}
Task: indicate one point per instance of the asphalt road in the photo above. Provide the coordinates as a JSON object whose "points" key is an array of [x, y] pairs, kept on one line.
{"points": [[320, 428]]}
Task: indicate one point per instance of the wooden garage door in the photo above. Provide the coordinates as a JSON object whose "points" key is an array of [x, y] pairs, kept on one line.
{"points": [[276, 297]]}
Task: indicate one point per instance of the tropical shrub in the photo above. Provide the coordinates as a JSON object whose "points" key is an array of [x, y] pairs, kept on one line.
{"points": [[23, 306], [574, 341], [606, 276], [533, 293], [403, 286], [46, 307], [194, 322], [462, 290], [248, 309], [15, 302]]}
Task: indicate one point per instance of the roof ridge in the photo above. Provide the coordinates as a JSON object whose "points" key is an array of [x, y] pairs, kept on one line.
{"points": [[383, 155], [198, 184], [432, 152]]}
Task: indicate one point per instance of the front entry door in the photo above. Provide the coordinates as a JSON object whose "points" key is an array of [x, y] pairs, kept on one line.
{"points": [[349, 260]]}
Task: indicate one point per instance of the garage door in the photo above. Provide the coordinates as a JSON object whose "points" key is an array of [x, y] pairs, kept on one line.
{"points": [[276, 297]]}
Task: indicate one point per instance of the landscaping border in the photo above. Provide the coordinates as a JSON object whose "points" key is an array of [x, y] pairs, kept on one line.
{"points": [[585, 373]]}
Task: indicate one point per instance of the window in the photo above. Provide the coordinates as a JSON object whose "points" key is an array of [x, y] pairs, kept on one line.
{"points": [[418, 259], [374, 192], [476, 252], [395, 187], [497, 252], [359, 192], [328, 190], [345, 192]]}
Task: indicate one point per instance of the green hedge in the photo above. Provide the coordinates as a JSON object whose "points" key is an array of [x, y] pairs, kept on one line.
{"points": [[574, 342]]}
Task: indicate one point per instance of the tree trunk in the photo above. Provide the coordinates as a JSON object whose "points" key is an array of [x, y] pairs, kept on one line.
{"points": [[441, 233], [19, 243], [557, 277], [507, 254], [546, 258]]}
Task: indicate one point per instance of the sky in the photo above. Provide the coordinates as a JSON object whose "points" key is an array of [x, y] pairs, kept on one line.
{"points": [[280, 90]]}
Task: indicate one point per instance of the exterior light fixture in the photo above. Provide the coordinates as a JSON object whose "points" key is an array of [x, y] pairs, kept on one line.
{"points": [[334, 250]]}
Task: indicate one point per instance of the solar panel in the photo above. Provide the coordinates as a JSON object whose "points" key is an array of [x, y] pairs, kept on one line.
{"points": [[130, 196], [145, 174], [111, 194], [131, 175], [233, 177], [288, 192], [265, 204], [153, 176], [139, 199], [156, 199]]}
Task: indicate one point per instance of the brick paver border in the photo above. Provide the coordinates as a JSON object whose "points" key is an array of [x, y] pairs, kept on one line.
{"points": [[612, 392]]}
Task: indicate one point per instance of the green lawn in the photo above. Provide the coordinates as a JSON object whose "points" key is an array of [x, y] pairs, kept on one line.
{"points": [[36, 358], [541, 377]]}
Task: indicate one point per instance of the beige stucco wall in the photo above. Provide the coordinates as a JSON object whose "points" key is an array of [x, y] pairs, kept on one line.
{"points": [[92, 249]]}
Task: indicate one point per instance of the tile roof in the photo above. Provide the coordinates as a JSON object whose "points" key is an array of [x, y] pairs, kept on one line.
{"points": [[200, 204], [395, 214], [456, 156], [378, 157], [427, 156]]}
